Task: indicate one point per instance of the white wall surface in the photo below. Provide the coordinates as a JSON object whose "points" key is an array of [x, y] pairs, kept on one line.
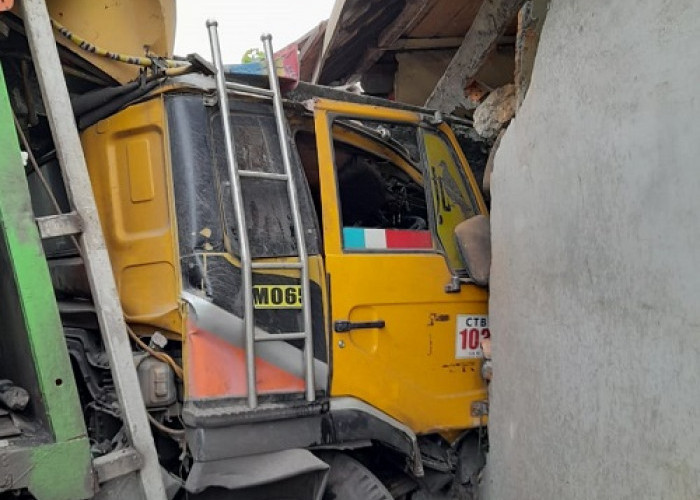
{"points": [[595, 291]]}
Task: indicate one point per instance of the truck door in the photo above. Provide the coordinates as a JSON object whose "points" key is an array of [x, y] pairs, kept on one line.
{"points": [[392, 190]]}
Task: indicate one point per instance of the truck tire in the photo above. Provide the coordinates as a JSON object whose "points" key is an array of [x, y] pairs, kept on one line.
{"points": [[348, 479]]}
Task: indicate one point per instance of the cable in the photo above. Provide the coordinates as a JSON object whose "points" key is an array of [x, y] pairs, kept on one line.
{"points": [[165, 358], [116, 56], [165, 428]]}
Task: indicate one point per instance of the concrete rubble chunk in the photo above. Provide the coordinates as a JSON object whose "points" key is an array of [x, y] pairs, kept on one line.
{"points": [[12, 396], [495, 112]]}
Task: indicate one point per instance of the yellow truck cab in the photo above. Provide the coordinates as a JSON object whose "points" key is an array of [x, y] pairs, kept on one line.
{"points": [[398, 308], [304, 282]]}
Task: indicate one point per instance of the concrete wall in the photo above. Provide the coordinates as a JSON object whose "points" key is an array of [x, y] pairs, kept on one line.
{"points": [[595, 303]]}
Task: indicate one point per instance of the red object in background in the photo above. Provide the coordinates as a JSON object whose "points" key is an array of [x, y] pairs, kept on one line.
{"points": [[287, 63]]}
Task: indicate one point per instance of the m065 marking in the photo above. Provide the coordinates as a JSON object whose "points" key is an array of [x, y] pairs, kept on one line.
{"points": [[277, 296]]}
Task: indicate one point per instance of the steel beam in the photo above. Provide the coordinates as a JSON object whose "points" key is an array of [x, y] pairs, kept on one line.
{"points": [[94, 252]]}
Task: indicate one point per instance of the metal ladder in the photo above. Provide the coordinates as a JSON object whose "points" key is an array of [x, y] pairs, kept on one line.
{"points": [[248, 265], [83, 221]]}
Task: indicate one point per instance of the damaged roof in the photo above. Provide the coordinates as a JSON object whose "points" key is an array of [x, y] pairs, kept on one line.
{"points": [[360, 32]]}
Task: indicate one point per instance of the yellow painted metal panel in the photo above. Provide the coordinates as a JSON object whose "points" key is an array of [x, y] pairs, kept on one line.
{"points": [[138, 154], [408, 369], [129, 166]]}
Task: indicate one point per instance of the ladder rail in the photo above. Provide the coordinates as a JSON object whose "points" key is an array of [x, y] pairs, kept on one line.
{"points": [[239, 208], [247, 264], [296, 217], [97, 264]]}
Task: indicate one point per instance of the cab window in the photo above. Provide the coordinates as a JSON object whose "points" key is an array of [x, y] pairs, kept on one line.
{"points": [[383, 203], [453, 200]]}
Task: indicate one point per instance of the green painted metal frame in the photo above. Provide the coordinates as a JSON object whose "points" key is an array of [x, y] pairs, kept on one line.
{"points": [[61, 469]]}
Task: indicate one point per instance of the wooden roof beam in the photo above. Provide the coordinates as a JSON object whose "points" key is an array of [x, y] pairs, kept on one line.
{"points": [[410, 15], [435, 43], [451, 42], [490, 23]]}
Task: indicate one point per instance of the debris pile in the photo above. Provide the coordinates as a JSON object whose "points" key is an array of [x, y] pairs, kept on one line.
{"points": [[13, 398]]}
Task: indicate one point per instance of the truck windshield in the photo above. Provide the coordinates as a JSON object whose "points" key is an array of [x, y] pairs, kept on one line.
{"points": [[203, 194]]}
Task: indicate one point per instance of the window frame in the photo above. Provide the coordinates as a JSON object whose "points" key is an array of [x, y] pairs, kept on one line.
{"points": [[421, 173], [326, 111]]}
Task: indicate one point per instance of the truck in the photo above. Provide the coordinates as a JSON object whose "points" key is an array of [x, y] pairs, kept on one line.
{"points": [[301, 276]]}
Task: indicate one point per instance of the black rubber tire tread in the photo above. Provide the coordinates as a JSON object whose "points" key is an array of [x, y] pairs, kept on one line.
{"points": [[348, 479]]}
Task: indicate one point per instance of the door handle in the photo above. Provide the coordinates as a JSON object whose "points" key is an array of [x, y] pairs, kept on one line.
{"points": [[342, 326]]}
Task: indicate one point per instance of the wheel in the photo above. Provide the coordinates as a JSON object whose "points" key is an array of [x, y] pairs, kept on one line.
{"points": [[348, 479]]}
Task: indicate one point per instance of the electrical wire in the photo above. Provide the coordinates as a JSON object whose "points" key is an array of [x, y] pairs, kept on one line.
{"points": [[165, 428], [165, 358]]}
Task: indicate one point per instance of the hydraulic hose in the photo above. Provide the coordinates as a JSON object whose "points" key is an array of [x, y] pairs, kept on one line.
{"points": [[116, 56]]}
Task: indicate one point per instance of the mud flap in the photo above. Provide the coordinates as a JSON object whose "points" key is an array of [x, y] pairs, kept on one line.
{"points": [[296, 472]]}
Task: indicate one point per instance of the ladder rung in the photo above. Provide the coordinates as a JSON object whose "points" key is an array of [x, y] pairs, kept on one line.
{"points": [[280, 336], [277, 265], [116, 464], [263, 175], [52, 226], [240, 87]]}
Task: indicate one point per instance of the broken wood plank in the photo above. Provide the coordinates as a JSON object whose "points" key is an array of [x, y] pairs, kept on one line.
{"points": [[493, 18]]}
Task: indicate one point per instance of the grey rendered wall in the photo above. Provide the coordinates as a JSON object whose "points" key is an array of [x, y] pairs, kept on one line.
{"points": [[595, 301]]}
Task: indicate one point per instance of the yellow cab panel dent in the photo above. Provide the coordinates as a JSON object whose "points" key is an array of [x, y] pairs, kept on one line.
{"points": [[129, 166], [408, 369]]}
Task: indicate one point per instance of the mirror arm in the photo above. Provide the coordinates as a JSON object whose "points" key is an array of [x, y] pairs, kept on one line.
{"points": [[456, 282], [454, 286]]}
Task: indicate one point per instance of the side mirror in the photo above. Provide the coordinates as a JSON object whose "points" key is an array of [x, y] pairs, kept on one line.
{"points": [[474, 243]]}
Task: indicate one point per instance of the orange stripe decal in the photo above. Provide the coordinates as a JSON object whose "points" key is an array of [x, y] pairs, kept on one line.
{"points": [[216, 368]]}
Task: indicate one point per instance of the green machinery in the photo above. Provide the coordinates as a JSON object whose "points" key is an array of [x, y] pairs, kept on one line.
{"points": [[56, 457]]}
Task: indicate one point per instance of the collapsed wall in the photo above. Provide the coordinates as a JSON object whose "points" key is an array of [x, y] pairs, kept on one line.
{"points": [[595, 288]]}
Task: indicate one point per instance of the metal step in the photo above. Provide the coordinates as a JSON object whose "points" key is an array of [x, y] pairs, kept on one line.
{"points": [[53, 226], [248, 89], [280, 336], [277, 265], [263, 175], [116, 464]]}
